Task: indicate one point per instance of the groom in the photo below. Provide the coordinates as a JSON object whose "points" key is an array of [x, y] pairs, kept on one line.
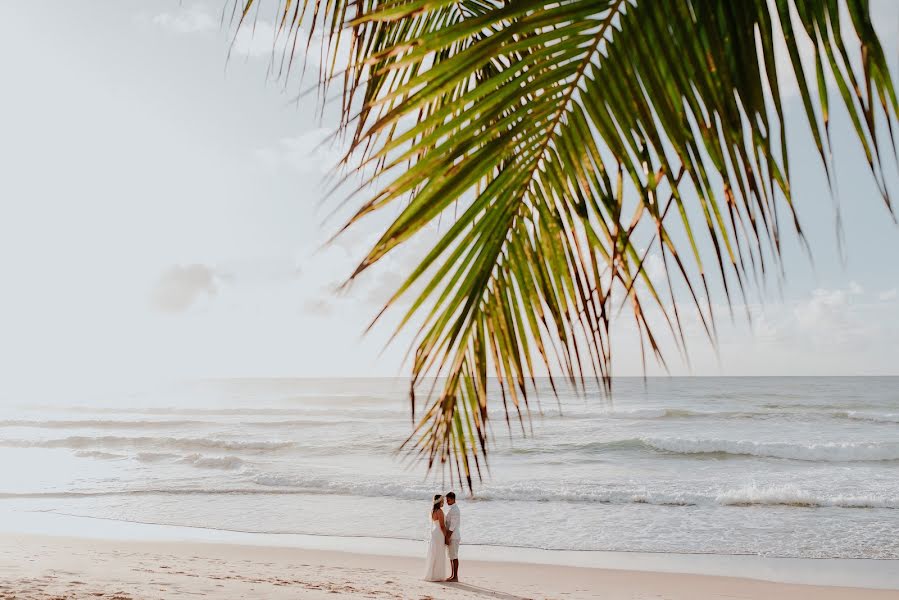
{"points": [[453, 534]]}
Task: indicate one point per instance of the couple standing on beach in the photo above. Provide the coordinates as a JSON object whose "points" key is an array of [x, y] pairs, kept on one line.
{"points": [[443, 543]]}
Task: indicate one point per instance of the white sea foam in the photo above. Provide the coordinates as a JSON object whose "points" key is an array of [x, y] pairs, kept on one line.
{"points": [[590, 492], [789, 495], [829, 452], [154, 457], [98, 454], [869, 416], [212, 462], [748, 495], [195, 459], [681, 413]]}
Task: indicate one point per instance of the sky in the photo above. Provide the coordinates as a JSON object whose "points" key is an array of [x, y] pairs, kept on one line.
{"points": [[165, 213]]}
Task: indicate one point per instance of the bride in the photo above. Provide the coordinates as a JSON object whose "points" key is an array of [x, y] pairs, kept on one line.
{"points": [[436, 563]]}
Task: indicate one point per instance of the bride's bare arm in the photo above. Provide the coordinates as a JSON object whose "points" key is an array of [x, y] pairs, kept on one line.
{"points": [[442, 520]]}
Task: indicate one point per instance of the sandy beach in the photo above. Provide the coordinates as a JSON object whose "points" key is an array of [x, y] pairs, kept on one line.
{"points": [[42, 567]]}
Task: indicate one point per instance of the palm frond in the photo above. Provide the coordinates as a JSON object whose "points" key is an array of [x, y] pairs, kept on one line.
{"points": [[573, 138]]}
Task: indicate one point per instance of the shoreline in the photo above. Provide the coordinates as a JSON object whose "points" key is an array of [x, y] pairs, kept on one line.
{"points": [[502, 548], [106, 554]]}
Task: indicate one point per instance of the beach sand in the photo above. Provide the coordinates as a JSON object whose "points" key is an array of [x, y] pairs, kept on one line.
{"points": [[43, 567]]}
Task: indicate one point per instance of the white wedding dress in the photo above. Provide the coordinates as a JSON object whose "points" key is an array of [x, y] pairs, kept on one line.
{"points": [[436, 563]]}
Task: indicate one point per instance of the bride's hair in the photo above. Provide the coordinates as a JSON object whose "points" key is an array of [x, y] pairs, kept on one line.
{"points": [[438, 499]]}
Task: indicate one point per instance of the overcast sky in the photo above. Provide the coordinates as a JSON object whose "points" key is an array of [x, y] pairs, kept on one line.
{"points": [[163, 215]]}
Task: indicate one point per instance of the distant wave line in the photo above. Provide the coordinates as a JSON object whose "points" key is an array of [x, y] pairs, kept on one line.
{"points": [[298, 411], [815, 452], [678, 413], [97, 424], [188, 444], [164, 424], [869, 416], [388, 412]]}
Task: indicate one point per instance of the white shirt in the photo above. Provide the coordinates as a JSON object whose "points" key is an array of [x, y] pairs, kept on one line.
{"points": [[454, 522]]}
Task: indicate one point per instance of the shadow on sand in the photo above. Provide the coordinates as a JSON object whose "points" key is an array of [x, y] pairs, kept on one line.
{"points": [[483, 591]]}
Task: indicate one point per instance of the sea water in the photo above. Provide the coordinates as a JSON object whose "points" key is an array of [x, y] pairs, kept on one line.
{"points": [[781, 467]]}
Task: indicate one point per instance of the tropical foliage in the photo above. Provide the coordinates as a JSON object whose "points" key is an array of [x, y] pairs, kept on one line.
{"points": [[564, 142]]}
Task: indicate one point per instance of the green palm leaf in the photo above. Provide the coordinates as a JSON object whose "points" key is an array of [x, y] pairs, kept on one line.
{"points": [[564, 141]]}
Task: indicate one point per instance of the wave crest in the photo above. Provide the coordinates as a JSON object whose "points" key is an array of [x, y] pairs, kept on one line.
{"points": [[828, 451], [227, 463], [868, 416], [577, 493], [589, 493], [98, 454]]}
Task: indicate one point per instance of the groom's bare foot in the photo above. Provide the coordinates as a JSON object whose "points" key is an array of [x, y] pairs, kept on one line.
{"points": [[452, 580]]}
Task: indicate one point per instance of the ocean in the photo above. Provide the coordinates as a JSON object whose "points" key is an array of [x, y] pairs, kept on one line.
{"points": [[780, 467]]}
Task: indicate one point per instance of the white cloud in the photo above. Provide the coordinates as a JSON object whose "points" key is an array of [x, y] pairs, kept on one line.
{"points": [[181, 287], [827, 314], [883, 19], [318, 306], [263, 39], [826, 331], [764, 329], [313, 152], [888, 295], [845, 327], [192, 19], [259, 270], [260, 39]]}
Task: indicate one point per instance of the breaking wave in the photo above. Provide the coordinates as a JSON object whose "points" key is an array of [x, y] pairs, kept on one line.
{"points": [[154, 457], [212, 462], [868, 416], [677, 413], [746, 496], [815, 452], [750, 495], [98, 454], [828, 452]]}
